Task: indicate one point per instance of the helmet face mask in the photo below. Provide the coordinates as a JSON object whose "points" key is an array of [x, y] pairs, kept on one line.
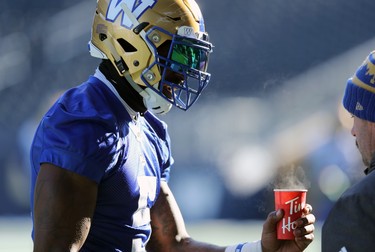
{"points": [[160, 44], [183, 68]]}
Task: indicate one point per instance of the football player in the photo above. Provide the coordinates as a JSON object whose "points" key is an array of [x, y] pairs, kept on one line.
{"points": [[101, 158]]}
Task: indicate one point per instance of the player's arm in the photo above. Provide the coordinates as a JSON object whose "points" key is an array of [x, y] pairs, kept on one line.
{"points": [[168, 227], [64, 203], [169, 233]]}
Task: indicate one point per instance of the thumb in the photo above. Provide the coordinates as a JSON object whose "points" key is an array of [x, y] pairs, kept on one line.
{"points": [[271, 221]]}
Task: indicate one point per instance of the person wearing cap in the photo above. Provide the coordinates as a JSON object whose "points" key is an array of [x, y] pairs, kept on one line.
{"points": [[350, 226]]}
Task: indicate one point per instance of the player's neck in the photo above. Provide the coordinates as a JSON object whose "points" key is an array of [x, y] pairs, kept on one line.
{"points": [[127, 93]]}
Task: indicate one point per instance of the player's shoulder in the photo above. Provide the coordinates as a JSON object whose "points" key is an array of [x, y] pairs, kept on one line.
{"points": [[84, 96], [84, 109], [90, 99]]}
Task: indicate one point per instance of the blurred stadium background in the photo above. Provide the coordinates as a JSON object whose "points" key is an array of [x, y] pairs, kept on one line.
{"points": [[271, 113]]}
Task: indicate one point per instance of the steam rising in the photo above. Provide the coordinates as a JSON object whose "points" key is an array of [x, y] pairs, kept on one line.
{"points": [[293, 177]]}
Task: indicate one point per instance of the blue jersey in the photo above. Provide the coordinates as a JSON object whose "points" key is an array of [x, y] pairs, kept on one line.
{"points": [[89, 131]]}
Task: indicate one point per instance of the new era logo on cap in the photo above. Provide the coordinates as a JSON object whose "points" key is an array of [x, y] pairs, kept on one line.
{"points": [[343, 249], [358, 106]]}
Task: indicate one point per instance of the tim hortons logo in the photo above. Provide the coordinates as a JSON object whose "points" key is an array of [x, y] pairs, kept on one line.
{"points": [[294, 207], [135, 6]]}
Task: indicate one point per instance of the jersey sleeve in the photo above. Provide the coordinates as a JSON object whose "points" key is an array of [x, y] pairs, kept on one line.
{"points": [[80, 142]]}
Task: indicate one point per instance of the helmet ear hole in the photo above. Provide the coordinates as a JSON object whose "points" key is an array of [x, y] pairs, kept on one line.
{"points": [[126, 45]]}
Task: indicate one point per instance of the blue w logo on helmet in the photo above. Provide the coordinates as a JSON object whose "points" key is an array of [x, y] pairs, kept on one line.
{"points": [[137, 7]]}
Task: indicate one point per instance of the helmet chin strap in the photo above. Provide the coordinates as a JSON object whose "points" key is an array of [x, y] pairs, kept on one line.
{"points": [[153, 101]]}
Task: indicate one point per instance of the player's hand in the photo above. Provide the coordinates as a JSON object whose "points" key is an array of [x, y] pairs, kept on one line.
{"points": [[304, 233]]}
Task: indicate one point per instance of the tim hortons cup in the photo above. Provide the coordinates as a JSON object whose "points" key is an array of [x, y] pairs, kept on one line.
{"points": [[292, 201]]}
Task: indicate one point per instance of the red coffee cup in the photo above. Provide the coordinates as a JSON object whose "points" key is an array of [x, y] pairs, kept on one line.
{"points": [[292, 201]]}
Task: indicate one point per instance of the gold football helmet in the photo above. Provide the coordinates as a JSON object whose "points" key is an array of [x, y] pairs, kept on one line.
{"points": [[159, 46]]}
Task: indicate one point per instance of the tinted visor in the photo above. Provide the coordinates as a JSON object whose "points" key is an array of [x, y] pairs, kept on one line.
{"points": [[190, 53]]}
